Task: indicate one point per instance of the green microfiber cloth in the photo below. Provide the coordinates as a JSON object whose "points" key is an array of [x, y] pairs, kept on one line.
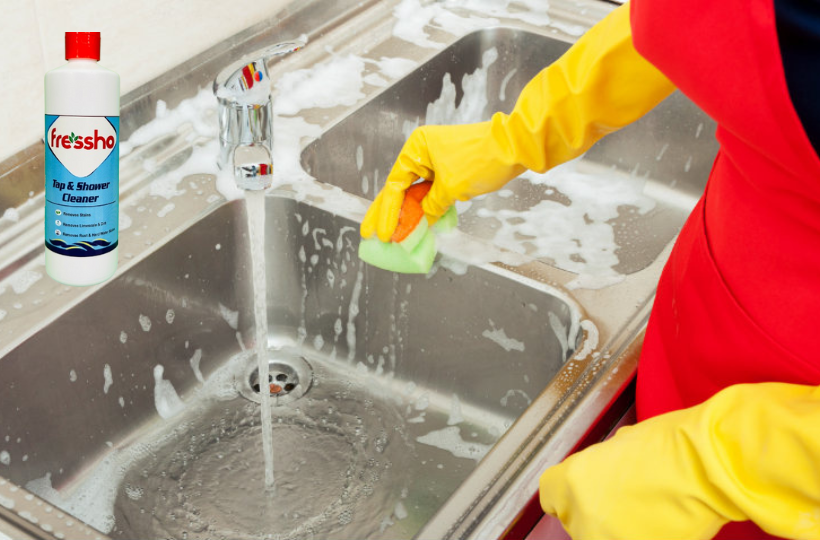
{"points": [[413, 255]]}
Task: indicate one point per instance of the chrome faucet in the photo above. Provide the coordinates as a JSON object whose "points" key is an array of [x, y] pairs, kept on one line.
{"points": [[246, 117]]}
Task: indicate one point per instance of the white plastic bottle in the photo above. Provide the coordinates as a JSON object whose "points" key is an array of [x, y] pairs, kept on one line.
{"points": [[82, 165]]}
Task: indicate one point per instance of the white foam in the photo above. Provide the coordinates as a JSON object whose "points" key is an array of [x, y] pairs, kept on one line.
{"points": [[189, 112], [353, 312], [577, 237], [502, 91], [170, 316], [5, 457], [400, 511], [11, 214], [568, 28], [513, 392], [359, 157], [318, 342], [134, 493], [109, 379], [395, 68], [591, 341], [413, 18], [374, 79], [422, 403], [21, 281], [499, 337], [123, 337], [125, 221], [449, 439], [92, 501], [230, 316], [473, 105], [72, 376], [337, 81], [194, 361], [166, 399], [145, 323], [165, 210]]}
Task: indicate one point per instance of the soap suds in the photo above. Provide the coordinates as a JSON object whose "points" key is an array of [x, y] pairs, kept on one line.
{"points": [[165, 210], [23, 280], [337, 81], [449, 439], [166, 399], [499, 337], [512, 393], [590, 341], [230, 316], [109, 379], [194, 361]]}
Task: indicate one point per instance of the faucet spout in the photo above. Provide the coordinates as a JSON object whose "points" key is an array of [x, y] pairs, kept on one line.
{"points": [[252, 167], [242, 90]]}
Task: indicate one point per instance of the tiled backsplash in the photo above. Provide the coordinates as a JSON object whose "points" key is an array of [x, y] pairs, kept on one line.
{"points": [[140, 40]]}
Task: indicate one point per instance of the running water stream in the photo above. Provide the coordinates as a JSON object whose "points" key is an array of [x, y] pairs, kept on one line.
{"points": [[255, 205]]}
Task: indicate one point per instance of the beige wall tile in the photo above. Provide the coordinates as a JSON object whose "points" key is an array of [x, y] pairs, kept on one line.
{"points": [[21, 77], [140, 40]]}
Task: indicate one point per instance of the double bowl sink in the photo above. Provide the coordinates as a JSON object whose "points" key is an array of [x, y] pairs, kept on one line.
{"points": [[412, 406]]}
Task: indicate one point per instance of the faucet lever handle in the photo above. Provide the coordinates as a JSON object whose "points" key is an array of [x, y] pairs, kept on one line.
{"points": [[242, 76]]}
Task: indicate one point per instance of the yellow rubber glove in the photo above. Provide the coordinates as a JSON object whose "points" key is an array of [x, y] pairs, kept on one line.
{"points": [[751, 452], [599, 85]]}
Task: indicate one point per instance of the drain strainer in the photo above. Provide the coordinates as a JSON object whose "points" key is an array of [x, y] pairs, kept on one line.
{"points": [[289, 378]]}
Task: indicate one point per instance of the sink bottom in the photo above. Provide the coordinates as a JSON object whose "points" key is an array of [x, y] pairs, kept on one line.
{"points": [[346, 459]]}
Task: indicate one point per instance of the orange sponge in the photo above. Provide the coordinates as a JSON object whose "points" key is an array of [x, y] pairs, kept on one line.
{"points": [[411, 212], [412, 248]]}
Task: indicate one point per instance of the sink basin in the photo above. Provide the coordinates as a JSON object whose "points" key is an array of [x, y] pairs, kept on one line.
{"points": [[664, 158], [400, 385]]}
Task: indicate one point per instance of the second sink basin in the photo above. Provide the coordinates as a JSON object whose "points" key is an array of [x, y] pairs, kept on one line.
{"points": [[662, 160]]}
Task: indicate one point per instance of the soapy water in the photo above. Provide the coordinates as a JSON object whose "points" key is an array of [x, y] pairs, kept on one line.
{"points": [[339, 452]]}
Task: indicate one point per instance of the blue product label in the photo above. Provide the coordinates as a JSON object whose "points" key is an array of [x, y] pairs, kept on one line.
{"points": [[82, 184]]}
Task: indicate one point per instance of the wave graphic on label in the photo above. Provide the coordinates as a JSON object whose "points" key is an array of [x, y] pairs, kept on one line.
{"points": [[84, 248], [81, 143]]}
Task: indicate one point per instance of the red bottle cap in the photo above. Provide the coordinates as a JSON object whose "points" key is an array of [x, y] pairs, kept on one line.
{"points": [[82, 45]]}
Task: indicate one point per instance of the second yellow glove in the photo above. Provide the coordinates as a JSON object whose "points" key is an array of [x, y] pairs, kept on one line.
{"points": [[748, 453]]}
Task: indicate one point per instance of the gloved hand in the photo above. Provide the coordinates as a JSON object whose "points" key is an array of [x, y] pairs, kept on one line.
{"points": [[751, 452], [598, 86]]}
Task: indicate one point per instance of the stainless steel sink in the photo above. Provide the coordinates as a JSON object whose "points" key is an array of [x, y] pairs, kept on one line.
{"points": [[410, 406], [408, 384]]}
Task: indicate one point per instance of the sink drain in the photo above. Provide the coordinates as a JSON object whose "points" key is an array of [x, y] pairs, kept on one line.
{"points": [[289, 378]]}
